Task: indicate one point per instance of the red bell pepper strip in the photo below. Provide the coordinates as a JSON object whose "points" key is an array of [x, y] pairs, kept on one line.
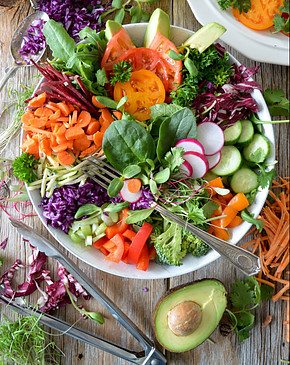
{"points": [[143, 260], [126, 250], [120, 226], [138, 243], [100, 242], [103, 250], [116, 254], [152, 253], [129, 234]]}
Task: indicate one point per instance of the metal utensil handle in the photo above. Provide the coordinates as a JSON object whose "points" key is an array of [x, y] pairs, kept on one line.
{"points": [[244, 260], [75, 332], [34, 4], [8, 73]]}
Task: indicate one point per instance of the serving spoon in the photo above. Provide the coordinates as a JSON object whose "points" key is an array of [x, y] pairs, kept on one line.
{"points": [[16, 41]]}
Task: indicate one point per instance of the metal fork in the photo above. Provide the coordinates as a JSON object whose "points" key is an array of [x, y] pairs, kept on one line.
{"points": [[248, 263]]}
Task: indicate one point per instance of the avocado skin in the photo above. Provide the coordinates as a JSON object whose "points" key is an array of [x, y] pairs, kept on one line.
{"points": [[176, 289]]}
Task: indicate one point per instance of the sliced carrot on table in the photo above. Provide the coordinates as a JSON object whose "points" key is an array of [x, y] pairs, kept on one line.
{"points": [[43, 112], [74, 133], [61, 147], [38, 100], [55, 115], [36, 130], [104, 126], [93, 127], [44, 146], [74, 117], [65, 158], [107, 116]]}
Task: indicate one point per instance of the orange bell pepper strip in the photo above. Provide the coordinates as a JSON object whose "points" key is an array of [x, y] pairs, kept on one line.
{"points": [[117, 254], [216, 183], [138, 243], [129, 234], [120, 226], [235, 205]]}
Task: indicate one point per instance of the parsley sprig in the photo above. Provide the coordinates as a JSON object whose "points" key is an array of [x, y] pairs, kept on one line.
{"points": [[281, 23], [241, 5], [121, 72], [245, 296], [23, 167]]}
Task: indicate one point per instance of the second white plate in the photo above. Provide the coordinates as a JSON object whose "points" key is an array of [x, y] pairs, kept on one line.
{"points": [[261, 46]]}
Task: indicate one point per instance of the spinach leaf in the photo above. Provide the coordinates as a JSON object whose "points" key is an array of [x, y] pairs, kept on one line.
{"points": [[179, 126], [136, 216], [127, 143], [91, 36], [59, 41], [163, 110]]}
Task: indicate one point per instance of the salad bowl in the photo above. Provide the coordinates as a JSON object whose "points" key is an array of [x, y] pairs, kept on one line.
{"points": [[95, 258]]}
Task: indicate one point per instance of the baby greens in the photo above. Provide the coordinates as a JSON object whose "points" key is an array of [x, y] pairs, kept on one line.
{"points": [[127, 143]]}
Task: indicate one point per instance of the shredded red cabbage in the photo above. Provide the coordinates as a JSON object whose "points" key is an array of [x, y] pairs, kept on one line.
{"points": [[55, 295], [33, 41], [144, 201], [228, 103], [4, 243], [61, 207], [73, 15]]}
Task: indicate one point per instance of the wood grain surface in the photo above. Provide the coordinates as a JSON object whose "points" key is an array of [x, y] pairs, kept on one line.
{"points": [[266, 346]]}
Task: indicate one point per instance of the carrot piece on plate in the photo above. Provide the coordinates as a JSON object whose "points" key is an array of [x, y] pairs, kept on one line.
{"points": [[74, 133], [93, 127], [38, 100], [65, 158], [84, 119]]}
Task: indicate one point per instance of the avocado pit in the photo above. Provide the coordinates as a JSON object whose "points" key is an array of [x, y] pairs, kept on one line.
{"points": [[184, 318]]}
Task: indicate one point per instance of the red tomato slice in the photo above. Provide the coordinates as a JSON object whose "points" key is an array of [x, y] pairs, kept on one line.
{"points": [[147, 59], [117, 45], [162, 46]]}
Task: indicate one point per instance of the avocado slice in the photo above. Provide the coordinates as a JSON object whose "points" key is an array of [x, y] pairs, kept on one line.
{"points": [[112, 28], [159, 22], [188, 314], [205, 36]]}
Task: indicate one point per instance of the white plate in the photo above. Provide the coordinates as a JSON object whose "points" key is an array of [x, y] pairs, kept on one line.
{"points": [[93, 257], [262, 46]]}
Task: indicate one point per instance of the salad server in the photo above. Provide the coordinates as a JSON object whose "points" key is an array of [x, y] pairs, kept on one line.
{"points": [[16, 41], [150, 356], [242, 259]]}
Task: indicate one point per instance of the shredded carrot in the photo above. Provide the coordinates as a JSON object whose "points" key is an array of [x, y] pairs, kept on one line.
{"points": [[272, 243]]}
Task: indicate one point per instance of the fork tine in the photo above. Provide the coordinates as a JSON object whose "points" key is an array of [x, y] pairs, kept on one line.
{"points": [[95, 179], [102, 168], [105, 164]]}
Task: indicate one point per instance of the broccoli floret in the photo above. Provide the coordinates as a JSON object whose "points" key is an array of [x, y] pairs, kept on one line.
{"points": [[194, 245], [168, 244]]}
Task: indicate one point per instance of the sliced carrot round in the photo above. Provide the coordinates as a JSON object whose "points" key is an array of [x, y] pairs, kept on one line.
{"points": [[134, 185]]}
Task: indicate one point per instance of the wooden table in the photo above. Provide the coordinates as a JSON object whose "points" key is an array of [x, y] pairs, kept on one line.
{"points": [[266, 346]]}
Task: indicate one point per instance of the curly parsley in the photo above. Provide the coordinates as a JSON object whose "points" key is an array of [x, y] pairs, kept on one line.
{"points": [[24, 167], [281, 22], [242, 5], [121, 72]]}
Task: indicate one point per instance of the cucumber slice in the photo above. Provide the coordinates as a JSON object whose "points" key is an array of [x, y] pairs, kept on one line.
{"points": [[233, 133], [244, 180], [247, 133], [230, 162], [258, 150]]}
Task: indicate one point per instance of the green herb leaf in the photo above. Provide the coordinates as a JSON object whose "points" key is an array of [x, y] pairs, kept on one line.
{"points": [[247, 217], [117, 4], [102, 77], [121, 72], [209, 208], [277, 103], [90, 36], [87, 209], [175, 56], [115, 187], [109, 103], [59, 41], [136, 216], [189, 64], [131, 171], [115, 208], [119, 16], [163, 110], [122, 101], [241, 295], [153, 186], [265, 178], [162, 176], [266, 292], [173, 159], [241, 5], [23, 167], [126, 143]]}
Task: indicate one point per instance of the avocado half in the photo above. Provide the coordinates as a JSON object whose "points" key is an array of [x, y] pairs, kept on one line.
{"points": [[187, 315]]}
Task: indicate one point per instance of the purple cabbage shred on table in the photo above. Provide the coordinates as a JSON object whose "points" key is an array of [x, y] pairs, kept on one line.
{"points": [[60, 209]]}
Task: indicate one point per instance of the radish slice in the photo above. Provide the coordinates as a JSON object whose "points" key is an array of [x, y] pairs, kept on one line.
{"points": [[198, 163], [186, 169], [127, 196], [190, 144], [213, 160], [211, 136]]}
